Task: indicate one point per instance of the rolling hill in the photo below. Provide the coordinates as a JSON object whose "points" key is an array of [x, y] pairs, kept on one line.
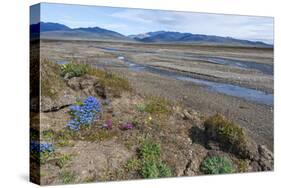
{"points": [[59, 31]]}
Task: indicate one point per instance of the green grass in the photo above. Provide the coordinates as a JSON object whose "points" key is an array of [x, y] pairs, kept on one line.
{"points": [[149, 163], [60, 138], [63, 160], [157, 105], [217, 165], [150, 150], [74, 69], [226, 132], [67, 177], [141, 107], [116, 84], [133, 164]]}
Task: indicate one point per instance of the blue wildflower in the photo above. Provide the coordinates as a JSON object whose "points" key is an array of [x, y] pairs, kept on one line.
{"points": [[85, 113], [41, 147]]}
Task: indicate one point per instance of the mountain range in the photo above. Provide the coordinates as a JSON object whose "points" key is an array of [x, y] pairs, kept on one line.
{"points": [[59, 31]]}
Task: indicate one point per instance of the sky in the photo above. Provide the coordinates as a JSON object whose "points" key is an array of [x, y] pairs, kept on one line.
{"points": [[135, 21]]}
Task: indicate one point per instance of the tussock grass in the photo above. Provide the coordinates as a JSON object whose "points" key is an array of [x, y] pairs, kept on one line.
{"points": [[229, 134]]}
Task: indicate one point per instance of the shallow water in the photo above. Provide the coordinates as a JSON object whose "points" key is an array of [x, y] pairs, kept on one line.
{"points": [[264, 68], [257, 96]]}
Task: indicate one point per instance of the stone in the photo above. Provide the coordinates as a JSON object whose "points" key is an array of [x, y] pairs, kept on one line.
{"points": [[74, 83], [186, 115], [100, 90]]}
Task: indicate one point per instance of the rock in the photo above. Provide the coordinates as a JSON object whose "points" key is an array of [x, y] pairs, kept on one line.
{"points": [[62, 99], [186, 115], [74, 83], [266, 159], [265, 153], [87, 82], [100, 90], [254, 166]]}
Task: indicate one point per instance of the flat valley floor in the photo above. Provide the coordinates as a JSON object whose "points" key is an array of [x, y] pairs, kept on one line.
{"points": [[234, 81]]}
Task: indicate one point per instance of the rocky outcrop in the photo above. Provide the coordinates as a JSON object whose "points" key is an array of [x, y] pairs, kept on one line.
{"points": [[224, 135], [88, 85]]}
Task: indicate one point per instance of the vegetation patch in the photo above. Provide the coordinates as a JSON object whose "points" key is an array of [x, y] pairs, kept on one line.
{"points": [[84, 113], [217, 165], [149, 163], [157, 105], [41, 151], [230, 135], [70, 70], [63, 160], [115, 83], [67, 177]]}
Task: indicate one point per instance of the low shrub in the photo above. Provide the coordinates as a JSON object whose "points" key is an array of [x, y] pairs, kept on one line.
{"points": [[70, 70], [230, 135], [217, 165], [151, 164]]}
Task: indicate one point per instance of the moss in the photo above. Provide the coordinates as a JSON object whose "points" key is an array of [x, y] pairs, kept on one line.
{"points": [[217, 165], [229, 134]]}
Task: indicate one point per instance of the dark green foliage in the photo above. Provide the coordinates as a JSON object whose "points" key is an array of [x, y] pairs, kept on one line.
{"points": [[150, 150], [217, 165], [151, 164]]}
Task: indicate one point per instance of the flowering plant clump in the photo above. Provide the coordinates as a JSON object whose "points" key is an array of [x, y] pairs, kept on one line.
{"points": [[84, 113], [40, 151], [126, 126], [41, 147]]}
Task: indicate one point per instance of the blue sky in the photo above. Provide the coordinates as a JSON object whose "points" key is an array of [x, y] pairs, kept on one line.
{"points": [[134, 21]]}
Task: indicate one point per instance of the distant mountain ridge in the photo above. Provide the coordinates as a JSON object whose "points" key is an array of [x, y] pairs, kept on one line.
{"points": [[60, 31], [169, 36]]}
